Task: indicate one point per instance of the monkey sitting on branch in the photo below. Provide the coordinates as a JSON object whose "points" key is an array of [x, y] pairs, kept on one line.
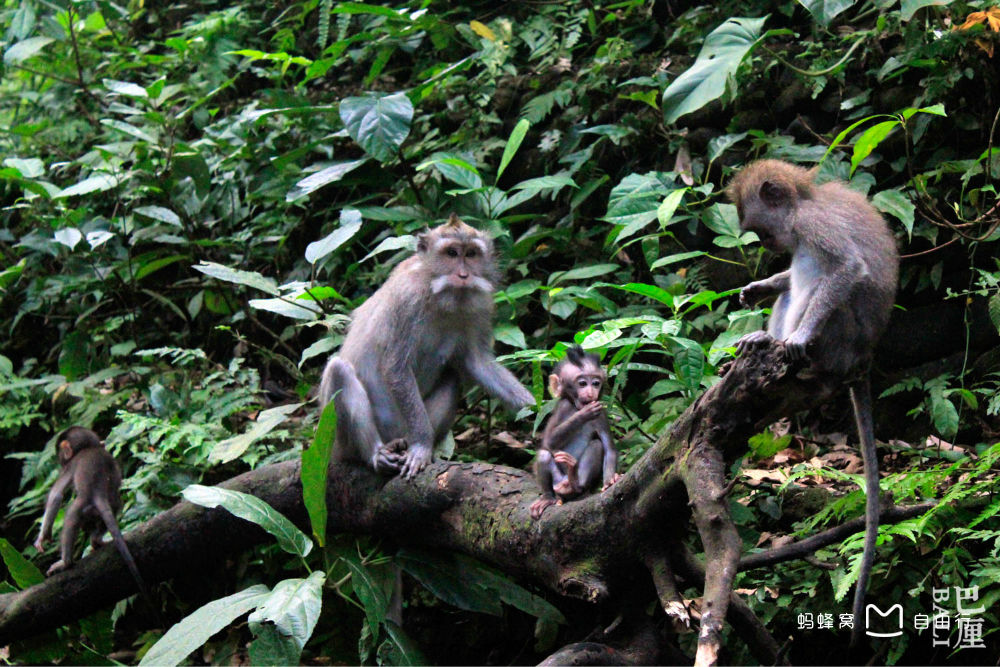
{"points": [[411, 346], [96, 479], [834, 300], [577, 442]]}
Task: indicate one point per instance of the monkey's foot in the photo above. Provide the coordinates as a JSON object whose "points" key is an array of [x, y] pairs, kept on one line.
{"points": [[58, 566], [388, 459], [751, 341], [614, 479], [540, 505], [417, 456]]}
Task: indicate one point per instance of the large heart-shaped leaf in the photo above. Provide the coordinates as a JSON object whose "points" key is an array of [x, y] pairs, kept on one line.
{"points": [[378, 123], [825, 10], [721, 55]]}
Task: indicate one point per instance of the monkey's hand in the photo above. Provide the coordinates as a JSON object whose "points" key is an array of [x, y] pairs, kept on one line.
{"points": [[540, 505], [795, 345], [754, 292], [58, 566], [590, 411], [417, 456], [40, 543], [751, 341]]}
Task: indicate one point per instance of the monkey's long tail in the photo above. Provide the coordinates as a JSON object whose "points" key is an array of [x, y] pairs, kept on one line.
{"points": [[862, 403], [108, 516]]}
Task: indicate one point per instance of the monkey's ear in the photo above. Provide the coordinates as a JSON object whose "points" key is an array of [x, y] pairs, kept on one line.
{"points": [[422, 241], [65, 450], [555, 386], [773, 194]]}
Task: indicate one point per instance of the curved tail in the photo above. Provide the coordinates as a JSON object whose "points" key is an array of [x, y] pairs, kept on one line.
{"points": [[862, 403]]}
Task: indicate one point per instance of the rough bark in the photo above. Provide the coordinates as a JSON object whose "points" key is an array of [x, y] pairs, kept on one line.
{"points": [[590, 549]]}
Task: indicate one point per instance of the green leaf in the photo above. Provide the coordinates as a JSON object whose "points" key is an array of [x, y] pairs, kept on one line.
{"points": [[599, 339], [22, 571], [405, 242], [288, 309], [651, 291], [378, 123], [128, 129], [293, 608], [869, 139], [513, 143], [25, 49], [510, 334], [160, 214], [68, 236], [679, 257], [330, 174], [689, 362], [944, 415], [196, 628], [255, 510], [667, 207], [402, 649], [909, 7], [369, 591], [719, 145], [125, 88], [232, 448], [542, 183], [248, 278], [825, 10], [456, 169], [898, 205], [362, 8], [350, 223], [583, 273], [271, 647], [96, 183], [74, 355], [315, 461], [724, 49]]}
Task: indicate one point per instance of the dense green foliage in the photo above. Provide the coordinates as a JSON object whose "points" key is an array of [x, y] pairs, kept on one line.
{"points": [[195, 197]]}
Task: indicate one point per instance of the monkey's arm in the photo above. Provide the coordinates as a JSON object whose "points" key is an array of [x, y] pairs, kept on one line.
{"points": [[564, 424], [52, 503], [496, 380], [829, 293], [759, 289]]}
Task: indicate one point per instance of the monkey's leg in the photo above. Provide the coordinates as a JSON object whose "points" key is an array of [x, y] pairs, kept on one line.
{"points": [[441, 405], [591, 467], [862, 405], [356, 429], [544, 475], [71, 525]]}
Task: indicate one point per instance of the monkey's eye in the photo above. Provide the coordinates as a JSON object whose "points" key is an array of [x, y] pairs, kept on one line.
{"points": [[452, 252], [581, 383], [470, 253]]}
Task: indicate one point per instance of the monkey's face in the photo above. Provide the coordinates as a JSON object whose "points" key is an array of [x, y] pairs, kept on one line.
{"points": [[768, 213], [583, 385], [460, 263]]}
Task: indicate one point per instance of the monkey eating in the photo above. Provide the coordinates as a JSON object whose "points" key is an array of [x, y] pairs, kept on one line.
{"points": [[411, 346], [834, 300], [96, 479], [577, 441]]}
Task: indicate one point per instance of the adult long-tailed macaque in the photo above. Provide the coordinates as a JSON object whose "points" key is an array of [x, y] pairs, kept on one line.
{"points": [[410, 347], [96, 478], [833, 301], [577, 442]]}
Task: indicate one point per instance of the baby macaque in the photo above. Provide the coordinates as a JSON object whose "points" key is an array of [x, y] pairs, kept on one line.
{"points": [[96, 478], [577, 442]]}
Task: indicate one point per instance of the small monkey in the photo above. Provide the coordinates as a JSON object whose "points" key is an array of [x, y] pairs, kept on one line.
{"points": [[96, 478], [577, 441], [410, 347], [833, 301]]}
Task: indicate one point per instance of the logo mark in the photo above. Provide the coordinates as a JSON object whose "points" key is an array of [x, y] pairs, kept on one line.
{"points": [[881, 614]]}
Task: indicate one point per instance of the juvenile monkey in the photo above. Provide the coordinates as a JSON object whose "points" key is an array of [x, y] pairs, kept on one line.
{"points": [[96, 478], [577, 441], [833, 301], [410, 347]]}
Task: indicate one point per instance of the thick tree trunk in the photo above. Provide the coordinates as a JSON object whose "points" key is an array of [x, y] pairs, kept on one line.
{"points": [[590, 549]]}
